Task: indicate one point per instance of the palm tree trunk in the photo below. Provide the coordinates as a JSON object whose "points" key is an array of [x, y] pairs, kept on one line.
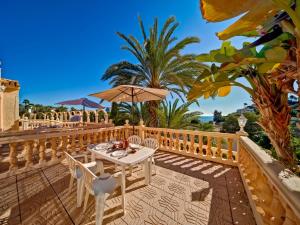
{"points": [[153, 106], [272, 102], [298, 75]]}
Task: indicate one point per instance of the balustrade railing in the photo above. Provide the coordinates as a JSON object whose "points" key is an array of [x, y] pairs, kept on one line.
{"points": [[274, 196], [211, 146], [273, 192], [36, 149]]}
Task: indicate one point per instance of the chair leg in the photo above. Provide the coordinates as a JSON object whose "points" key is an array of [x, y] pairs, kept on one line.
{"points": [[71, 184], [100, 205], [86, 199], [130, 170], [80, 192], [100, 167], [123, 187], [154, 166]]}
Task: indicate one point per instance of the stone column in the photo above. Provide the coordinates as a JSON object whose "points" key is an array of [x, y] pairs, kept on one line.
{"points": [[141, 130]]}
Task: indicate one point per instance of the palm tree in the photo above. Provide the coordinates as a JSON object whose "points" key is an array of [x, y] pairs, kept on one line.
{"points": [[160, 62], [270, 98], [123, 111], [27, 104], [175, 116]]}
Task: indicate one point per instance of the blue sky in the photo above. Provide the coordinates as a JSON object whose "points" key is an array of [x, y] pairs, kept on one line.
{"points": [[58, 49]]}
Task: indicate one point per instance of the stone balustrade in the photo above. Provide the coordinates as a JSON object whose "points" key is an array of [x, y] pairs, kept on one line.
{"points": [[34, 120], [30, 124], [211, 146], [274, 194], [37, 149]]}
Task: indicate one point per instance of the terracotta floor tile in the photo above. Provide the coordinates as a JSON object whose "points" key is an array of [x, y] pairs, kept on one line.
{"points": [[183, 191], [185, 213], [139, 212], [9, 201], [242, 214]]}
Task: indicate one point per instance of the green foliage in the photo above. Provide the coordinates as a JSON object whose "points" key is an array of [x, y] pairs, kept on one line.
{"points": [[230, 124], [216, 80], [174, 116], [160, 62], [218, 118], [124, 111], [253, 129], [39, 109]]}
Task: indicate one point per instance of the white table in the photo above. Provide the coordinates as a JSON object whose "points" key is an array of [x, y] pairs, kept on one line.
{"points": [[143, 154]]}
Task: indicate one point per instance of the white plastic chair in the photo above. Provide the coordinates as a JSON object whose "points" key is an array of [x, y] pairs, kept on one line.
{"points": [[152, 143], [73, 164], [100, 187], [134, 139]]}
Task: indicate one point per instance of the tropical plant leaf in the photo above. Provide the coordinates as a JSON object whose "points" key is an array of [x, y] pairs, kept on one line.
{"points": [[256, 16], [224, 91], [276, 54], [219, 10]]}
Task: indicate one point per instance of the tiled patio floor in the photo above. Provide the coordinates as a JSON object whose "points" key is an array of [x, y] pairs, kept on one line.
{"points": [[183, 191]]}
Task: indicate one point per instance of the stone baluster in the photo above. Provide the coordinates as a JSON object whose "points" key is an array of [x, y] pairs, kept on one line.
{"points": [[200, 144], [171, 140], [88, 138], [158, 136], [13, 160], [96, 117], [219, 147], [28, 153], [208, 147], [142, 130], [126, 129], [184, 135], [165, 142], [53, 142], [42, 151], [106, 135], [73, 144], [177, 147], [25, 123], [88, 119], [230, 147], [111, 137], [95, 138], [81, 142], [64, 143], [192, 144]]}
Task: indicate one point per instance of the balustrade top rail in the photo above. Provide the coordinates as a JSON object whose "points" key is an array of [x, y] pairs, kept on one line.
{"points": [[21, 136], [192, 132]]}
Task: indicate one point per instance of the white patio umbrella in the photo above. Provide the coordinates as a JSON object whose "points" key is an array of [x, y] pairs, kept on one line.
{"points": [[132, 93]]}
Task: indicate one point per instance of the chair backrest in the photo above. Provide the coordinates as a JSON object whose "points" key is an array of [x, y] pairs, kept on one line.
{"points": [[88, 177], [134, 139], [151, 143], [72, 164], [95, 185]]}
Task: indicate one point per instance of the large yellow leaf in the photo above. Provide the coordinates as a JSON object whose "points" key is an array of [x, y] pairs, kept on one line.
{"points": [[276, 54], [256, 16], [224, 91], [219, 10]]}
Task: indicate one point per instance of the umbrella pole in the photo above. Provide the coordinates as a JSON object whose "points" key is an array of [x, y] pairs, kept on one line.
{"points": [[132, 99], [83, 110]]}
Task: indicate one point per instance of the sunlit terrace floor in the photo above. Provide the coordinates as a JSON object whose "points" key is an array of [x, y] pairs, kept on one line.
{"points": [[183, 191]]}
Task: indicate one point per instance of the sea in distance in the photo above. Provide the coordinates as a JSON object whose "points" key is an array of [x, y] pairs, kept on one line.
{"points": [[206, 119]]}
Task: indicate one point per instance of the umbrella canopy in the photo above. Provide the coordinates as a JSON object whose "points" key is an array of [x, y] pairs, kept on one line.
{"points": [[132, 93], [83, 102]]}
